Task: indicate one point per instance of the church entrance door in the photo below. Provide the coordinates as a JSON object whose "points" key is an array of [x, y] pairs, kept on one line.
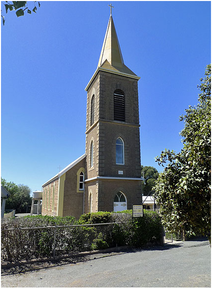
{"points": [[120, 202]]}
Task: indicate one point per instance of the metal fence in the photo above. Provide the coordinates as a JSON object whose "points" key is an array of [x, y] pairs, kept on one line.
{"points": [[50, 241]]}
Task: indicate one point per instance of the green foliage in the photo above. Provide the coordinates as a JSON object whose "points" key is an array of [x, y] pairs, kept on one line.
{"points": [[45, 236], [183, 189], [19, 198], [120, 234], [150, 176], [39, 220], [20, 7], [99, 243], [146, 230], [45, 243], [126, 212], [96, 218]]}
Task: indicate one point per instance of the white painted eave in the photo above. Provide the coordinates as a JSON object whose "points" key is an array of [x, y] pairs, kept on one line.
{"points": [[62, 172]]}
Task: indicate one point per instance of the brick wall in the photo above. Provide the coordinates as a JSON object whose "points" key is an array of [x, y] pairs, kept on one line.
{"points": [[50, 198]]}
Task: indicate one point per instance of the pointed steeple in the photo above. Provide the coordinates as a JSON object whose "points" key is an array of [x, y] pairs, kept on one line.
{"points": [[111, 50], [111, 57]]}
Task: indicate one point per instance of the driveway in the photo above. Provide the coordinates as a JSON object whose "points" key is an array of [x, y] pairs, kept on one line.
{"points": [[176, 264]]}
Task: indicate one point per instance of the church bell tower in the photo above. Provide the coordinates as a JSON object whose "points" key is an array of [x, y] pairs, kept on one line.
{"points": [[113, 165]]}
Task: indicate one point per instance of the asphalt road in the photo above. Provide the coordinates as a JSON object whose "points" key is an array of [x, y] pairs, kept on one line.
{"points": [[185, 264]]}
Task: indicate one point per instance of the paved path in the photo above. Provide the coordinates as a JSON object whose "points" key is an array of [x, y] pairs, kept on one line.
{"points": [[179, 264]]}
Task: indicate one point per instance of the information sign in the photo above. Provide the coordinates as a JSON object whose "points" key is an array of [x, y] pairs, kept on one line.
{"points": [[138, 211]]}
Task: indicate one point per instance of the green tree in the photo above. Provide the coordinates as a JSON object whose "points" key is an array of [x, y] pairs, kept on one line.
{"points": [[183, 189], [150, 175], [20, 7], [19, 198]]}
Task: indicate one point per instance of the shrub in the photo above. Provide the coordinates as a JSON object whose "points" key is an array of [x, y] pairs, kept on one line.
{"points": [[99, 243], [96, 218], [21, 243], [146, 230], [120, 234]]}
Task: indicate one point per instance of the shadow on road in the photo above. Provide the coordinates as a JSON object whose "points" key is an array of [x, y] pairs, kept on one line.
{"points": [[35, 265], [23, 267]]}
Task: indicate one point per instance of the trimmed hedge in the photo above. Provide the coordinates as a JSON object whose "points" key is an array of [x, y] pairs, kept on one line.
{"points": [[96, 218]]}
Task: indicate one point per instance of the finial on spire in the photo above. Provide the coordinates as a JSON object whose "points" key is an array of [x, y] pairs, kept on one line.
{"points": [[111, 9]]}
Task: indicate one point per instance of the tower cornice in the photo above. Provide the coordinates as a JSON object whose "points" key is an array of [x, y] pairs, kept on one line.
{"points": [[113, 122], [111, 72]]}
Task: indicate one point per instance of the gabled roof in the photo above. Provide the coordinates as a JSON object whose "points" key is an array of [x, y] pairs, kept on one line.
{"points": [[71, 165], [148, 200], [111, 59]]}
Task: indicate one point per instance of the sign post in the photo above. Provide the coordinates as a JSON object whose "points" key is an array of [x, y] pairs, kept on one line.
{"points": [[138, 211]]}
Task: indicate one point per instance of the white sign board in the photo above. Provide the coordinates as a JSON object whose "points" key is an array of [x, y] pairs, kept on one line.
{"points": [[138, 211]]}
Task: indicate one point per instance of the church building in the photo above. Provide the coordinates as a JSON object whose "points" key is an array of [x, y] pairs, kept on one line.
{"points": [[108, 176]]}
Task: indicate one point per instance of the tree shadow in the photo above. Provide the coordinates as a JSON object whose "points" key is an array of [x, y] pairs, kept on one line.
{"points": [[36, 265]]}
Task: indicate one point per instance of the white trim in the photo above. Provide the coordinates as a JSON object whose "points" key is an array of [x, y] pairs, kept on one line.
{"points": [[71, 165], [113, 178]]}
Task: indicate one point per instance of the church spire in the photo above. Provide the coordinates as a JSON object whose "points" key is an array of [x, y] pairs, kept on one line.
{"points": [[111, 50], [111, 57]]}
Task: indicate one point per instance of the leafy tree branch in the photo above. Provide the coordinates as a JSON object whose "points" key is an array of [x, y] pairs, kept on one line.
{"points": [[183, 190], [20, 8]]}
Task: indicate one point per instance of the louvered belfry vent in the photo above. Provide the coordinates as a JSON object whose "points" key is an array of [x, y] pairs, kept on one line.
{"points": [[119, 105]]}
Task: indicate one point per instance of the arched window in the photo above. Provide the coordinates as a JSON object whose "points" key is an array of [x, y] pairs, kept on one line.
{"points": [[119, 151], [91, 154], [92, 110], [120, 202], [81, 181], [120, 197], [119, 105]]}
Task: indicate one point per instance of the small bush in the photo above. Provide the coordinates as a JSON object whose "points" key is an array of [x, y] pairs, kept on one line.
{"points": [[146, 230], [120, 234], [96, 218], [99, 243]]}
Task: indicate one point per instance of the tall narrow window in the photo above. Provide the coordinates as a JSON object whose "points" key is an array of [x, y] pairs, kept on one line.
{"points": [[81, 181], [119, 151], [92, 110], [119, 105], [91, 154], [90, 203]]}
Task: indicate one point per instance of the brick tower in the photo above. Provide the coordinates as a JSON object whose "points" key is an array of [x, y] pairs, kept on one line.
{"points": [[113, 166]]}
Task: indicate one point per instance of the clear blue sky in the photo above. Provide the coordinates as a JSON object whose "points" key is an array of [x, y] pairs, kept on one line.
{"points": [[48, 58]]}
